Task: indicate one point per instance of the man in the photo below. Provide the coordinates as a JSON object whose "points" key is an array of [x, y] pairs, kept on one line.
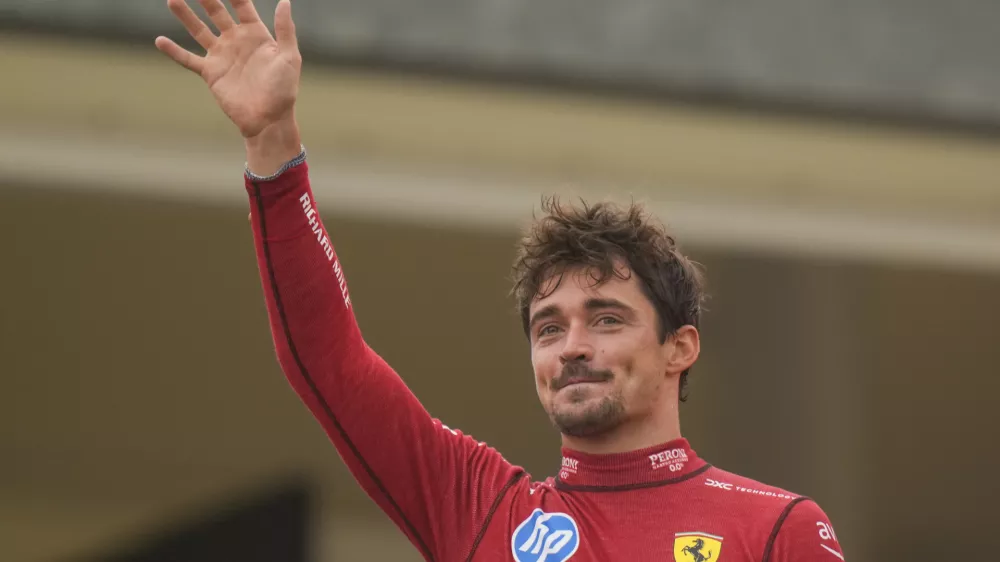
{"points": [[610, 308]]}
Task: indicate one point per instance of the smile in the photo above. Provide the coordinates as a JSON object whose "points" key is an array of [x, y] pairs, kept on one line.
{"points": [[578, 382]]}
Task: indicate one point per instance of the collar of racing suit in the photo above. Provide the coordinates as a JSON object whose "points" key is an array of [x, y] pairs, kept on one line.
{"points": [[669, 462]]}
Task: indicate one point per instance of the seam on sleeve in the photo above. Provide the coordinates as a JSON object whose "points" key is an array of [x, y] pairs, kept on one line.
{"points": [[777, 527]]}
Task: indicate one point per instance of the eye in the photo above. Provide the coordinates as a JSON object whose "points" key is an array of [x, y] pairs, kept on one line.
{"points": [[548, 330], [608, 320]]}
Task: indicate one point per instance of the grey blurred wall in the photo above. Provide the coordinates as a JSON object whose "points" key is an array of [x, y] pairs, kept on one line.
{"points": [[914, 59]]}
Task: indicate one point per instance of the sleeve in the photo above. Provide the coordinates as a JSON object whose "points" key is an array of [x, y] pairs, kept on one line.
{"points": [[436, 484], [804, 534]]}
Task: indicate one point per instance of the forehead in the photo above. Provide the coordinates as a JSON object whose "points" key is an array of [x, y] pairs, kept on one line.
{"points": [[575, 286]]}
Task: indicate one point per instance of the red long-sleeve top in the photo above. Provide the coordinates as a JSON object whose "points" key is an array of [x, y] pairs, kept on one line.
{"points": [[456, 498]]}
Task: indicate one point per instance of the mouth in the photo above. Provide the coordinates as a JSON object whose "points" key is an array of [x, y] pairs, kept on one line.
{"points": [[579, 382]]}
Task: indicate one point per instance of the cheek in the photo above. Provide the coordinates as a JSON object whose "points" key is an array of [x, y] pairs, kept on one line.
{"points": [[541, 363], [636, 362], [620, 356]]}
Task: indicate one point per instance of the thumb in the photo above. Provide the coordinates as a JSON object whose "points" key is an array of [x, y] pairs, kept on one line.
{"points": [[284, 27]]}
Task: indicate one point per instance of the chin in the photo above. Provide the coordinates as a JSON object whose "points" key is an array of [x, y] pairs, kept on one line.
{"points": [[580, 393], [587, 414]]}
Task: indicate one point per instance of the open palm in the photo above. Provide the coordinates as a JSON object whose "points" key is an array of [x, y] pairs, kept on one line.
{"points": [[253, 76]]}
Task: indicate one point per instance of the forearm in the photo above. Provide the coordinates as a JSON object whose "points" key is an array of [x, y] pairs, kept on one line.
{"points": [[315, 333]]}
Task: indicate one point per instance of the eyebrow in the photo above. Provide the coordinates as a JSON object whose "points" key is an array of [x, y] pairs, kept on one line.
{"points": [[591, 305]]}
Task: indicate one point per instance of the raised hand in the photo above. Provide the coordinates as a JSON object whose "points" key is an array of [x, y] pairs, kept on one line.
{"points": [[253, 75]]}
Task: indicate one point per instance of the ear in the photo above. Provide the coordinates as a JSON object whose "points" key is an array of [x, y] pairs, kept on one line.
{"points": [[682, 349]]}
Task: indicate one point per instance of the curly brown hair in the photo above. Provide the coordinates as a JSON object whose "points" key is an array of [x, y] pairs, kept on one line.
{"points": [[599, 237]]}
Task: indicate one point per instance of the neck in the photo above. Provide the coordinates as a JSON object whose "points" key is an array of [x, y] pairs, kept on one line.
{"points": [[666, 463], [629, 436]]}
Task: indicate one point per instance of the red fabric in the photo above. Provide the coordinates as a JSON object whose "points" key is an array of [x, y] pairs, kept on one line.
{"points": [[458, 499]]}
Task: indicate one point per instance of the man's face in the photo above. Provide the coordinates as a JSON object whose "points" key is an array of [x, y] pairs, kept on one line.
{"points": [[596, 353]]}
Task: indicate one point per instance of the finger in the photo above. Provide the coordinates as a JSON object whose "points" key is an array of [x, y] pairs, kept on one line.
{"points": [[284, 27], [245, 11], [185, 58], [197, 28], [218, 14]]}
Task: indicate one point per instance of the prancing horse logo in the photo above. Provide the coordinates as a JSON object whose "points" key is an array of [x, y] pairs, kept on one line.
{"points": [[697, 547], [695, 551]]}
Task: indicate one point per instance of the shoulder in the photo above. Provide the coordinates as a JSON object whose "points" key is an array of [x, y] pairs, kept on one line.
{"points": [[742, 490], [803, 532], [795, 526]]}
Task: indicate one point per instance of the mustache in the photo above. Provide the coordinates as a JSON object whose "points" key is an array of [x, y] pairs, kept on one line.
{"points": [[576, 371]]}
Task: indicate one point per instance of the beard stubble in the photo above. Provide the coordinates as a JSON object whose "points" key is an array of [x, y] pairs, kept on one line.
{"points": [[586, 416]]}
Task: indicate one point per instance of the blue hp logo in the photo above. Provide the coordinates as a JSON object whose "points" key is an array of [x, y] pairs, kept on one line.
{"points": [[545, 537]]}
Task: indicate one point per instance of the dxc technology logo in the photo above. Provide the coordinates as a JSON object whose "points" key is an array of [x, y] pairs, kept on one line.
{"points": [[545, 537]]}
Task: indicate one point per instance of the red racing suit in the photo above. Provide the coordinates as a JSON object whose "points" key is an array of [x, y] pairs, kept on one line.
{"points": [[457, 499]]}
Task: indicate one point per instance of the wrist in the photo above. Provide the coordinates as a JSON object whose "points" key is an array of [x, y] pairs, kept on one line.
{"points": [[274, 146]]}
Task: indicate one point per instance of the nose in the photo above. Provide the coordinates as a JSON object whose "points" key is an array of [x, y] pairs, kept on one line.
{"points": [[576, 346]]}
